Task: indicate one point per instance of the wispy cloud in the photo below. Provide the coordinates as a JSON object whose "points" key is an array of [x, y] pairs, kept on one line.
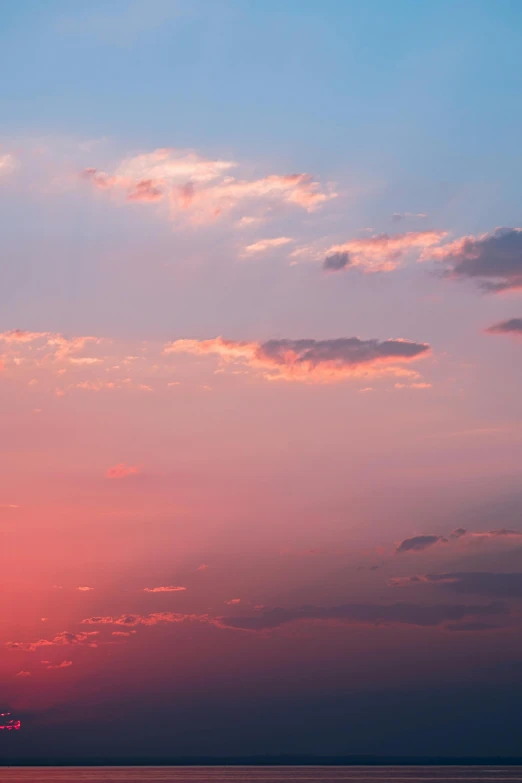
{"points": [[264, 245], [200, 187], [130, 620], [165, 589], [8, 164], [398, 216], [62, 665], [63, 638], [121, 470]]}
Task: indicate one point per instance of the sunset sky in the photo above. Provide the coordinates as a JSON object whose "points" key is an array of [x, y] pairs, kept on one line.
{"points": [[260, 377]]}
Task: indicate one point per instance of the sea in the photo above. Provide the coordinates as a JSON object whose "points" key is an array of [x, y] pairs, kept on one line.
{"points": [[396, 774]]}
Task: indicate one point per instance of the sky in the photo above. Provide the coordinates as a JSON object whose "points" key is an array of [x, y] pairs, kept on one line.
{"points": [[260, 350]]}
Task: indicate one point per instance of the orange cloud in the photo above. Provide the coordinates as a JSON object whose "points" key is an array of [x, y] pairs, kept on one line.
{"points": [[43, 348], [121, 471], [63, 638], [130, 620], [412, 386], [62, 665], [54, 358], [314, 361], [267, 244], [380, 253], [166, 589]]}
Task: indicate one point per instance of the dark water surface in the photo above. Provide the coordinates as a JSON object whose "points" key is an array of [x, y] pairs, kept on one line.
{"points": [[260, 774]]}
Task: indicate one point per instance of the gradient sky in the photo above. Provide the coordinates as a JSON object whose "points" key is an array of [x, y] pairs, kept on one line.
{"points": [[260, 377]]}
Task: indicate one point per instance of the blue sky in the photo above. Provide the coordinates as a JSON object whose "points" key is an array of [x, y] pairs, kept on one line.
{"points": [[377, 84]]}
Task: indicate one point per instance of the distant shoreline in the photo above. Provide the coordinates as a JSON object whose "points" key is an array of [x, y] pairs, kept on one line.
{"points": [[273, 761]]}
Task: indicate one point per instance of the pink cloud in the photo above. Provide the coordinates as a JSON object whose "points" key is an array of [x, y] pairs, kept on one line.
{"points": [[233, 601], [83, 589], [145, 190], [7, 723], [292, 189], [23, 674], [121, 471], [203, 187], [8, 164]]}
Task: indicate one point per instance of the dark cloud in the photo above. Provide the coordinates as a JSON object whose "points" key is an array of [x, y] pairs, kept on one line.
{"points": [[337, 261], [503, 532], [511, 326], [493, 585], [344, 350], [309, 360], [394, 614], [398, 216], [500, 533], [422, 542], [495, 259], [418, 543], [472, 626]]}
